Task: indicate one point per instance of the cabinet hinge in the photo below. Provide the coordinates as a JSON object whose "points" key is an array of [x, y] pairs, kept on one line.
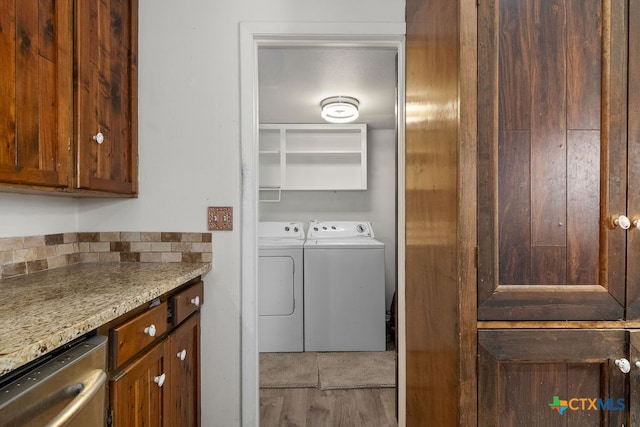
{"points": [[476, 257], [110, 418]]}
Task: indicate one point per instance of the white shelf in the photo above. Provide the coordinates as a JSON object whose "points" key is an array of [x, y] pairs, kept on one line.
{"points": [[269, 194], [313, 156], [323, 152]]}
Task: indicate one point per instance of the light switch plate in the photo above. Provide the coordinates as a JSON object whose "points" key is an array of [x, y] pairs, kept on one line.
{"points": [[220, 218]]}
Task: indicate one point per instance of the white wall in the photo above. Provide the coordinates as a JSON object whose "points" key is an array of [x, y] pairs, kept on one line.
{"points": [[32, 215], [376, 204], [190, 156]]}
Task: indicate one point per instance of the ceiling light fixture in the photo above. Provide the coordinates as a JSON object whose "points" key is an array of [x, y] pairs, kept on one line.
{"points": [[340, 109]]}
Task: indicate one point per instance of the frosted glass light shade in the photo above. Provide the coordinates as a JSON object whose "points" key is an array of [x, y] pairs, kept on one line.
{"points": [[340, 109]]}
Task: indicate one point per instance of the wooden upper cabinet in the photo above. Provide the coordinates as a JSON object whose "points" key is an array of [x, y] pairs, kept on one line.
{"points": [[553, 160], [106, 51], [35, 92]]}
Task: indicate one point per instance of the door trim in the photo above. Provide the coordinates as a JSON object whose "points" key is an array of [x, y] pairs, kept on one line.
{"points": [[252, 36]]}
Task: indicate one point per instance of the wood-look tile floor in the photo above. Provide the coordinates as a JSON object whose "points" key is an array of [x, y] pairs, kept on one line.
{"points": [[312, 407]]}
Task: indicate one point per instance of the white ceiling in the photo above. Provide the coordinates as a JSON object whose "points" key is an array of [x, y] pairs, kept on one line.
{"points": [[293, 81]]}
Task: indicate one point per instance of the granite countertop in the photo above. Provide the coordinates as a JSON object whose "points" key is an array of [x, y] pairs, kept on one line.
{"points": [[42, 311]]}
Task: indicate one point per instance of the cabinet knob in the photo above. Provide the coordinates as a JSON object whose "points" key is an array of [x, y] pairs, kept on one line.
{"points": [[159, 380], [636, 223], [183, 354], [196, 301], [622, 222], [98, 137], [150, 330], [624, 365]]}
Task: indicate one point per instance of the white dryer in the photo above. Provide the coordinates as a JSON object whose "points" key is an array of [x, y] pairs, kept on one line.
{"points": [[280, 287], [344, 289]]}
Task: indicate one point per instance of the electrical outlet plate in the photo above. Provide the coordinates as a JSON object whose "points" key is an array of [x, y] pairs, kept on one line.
{"points": [[220, 218]]}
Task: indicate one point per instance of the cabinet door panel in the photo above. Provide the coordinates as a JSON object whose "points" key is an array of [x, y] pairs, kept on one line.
{"points": [[106, 95], [551, 377], [633, 195], [183, 405], [634, 378], [551, 159], [136, 400], [35, 89]]}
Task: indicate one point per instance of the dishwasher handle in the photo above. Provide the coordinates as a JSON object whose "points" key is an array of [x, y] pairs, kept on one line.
{"points": [[88, 388]]}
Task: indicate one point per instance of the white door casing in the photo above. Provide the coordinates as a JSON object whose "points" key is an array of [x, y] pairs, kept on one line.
{"points": [[254, 35]]}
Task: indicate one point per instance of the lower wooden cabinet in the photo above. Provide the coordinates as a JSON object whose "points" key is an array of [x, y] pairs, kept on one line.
{"points": [[550, 377], [137, 392], [182, 407], [158, 384]]}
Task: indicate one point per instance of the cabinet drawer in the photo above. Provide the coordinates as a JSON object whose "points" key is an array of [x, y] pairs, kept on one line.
{"points": [[135, 334], [186, 302]]}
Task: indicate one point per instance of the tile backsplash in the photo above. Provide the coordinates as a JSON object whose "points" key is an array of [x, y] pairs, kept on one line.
{"points": [[28, 254]]}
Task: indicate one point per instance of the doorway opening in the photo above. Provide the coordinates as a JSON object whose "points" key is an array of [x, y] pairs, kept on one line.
{"points": [[277, 39]]}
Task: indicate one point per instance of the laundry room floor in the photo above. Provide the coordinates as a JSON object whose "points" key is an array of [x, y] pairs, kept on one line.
{"points": [[312, 407], [328, 389]]}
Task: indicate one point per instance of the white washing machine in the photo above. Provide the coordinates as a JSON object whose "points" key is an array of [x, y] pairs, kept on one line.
{"points": [[344, 289], [280, 287]]}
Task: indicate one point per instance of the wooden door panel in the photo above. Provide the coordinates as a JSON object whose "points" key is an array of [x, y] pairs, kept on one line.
{"points": [[35, 88], [548, 72], [440, 301], [634, 378], [583, 200], [539, 382], [633, 193], [547, 165], [106, 95], [136, 400], [525, 377], [583, 62], [183, 405], [515, 253]]}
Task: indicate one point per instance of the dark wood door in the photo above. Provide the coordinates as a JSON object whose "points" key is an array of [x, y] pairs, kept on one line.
{"points": [[136, 396], [35, 92], [633, 193], [182, 407], [634, 378], [551, 378], [106, 40], [440, 201], [552, 159]]}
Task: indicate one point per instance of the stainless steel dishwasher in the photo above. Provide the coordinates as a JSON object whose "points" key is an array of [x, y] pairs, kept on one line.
{"points": [[67, 390]]}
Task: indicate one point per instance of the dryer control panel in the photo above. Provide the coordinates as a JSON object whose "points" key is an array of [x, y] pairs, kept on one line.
{"points": [[280, 230], [339, 229]]}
